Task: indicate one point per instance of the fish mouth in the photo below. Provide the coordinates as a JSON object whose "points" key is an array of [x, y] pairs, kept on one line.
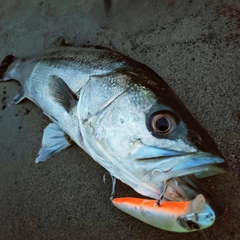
{"points": [[181, 173], [186, 188]]}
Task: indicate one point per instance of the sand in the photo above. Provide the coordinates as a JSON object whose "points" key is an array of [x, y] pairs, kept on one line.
{"points": [[193, 45]]}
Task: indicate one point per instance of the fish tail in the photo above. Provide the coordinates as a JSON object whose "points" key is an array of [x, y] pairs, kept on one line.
{"points": [[7, 61], [7, 73]]}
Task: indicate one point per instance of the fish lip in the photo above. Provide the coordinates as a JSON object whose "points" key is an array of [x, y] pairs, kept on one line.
{"points": [[201, 164], [194, 153]]}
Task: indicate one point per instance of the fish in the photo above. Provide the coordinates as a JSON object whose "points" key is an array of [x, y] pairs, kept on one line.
{"points": [[124, 115]]}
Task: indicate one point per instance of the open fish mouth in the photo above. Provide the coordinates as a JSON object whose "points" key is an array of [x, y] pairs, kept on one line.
{"points": [[184, 204], [181, 172], [187, 188]]}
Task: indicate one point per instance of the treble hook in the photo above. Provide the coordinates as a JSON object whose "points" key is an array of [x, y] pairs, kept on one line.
{"points": [[163, 189], [113, 184]]}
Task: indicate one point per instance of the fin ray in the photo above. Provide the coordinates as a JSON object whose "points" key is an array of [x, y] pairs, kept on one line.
{"points": [[54, 141], [60, 91]]}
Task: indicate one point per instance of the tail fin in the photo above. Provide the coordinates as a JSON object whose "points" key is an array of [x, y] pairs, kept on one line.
{"points": [[7, 61]]}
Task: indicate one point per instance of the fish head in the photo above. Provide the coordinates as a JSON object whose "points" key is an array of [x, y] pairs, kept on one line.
{"points": [[135, 126]]}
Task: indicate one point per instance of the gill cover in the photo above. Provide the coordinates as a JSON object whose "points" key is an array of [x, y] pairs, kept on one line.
{"points": [[99, 92]]}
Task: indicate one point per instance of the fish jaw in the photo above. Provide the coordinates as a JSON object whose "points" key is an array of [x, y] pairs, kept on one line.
{"points": [[153, 166], [162, 168], [186, 216], [181, 172]]}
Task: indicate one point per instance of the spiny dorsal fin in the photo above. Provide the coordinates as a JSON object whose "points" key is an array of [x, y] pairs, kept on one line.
{"points": [[62, 93]]}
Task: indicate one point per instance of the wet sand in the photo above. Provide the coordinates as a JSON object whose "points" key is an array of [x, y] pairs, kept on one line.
{"points": [[194, 46]]}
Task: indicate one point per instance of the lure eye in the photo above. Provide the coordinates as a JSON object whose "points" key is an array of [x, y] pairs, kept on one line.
{"points": [[192, 225], [188, 224], [163, 122]]}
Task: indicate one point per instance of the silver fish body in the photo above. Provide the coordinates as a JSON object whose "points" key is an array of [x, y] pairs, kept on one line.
{"points": [[37, 73], [120, 112]]}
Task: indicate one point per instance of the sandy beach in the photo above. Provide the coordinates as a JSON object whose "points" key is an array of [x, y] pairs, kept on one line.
{"points": [[193, 45]]}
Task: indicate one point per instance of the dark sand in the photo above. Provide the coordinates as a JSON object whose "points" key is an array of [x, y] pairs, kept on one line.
{"points": [[194, 46]]}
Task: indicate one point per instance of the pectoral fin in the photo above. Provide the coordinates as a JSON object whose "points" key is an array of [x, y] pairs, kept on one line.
{"points": [[60, 91], [54, 141]]}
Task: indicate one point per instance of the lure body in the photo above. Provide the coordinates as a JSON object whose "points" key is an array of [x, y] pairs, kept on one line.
{"points": [[186, 216]]}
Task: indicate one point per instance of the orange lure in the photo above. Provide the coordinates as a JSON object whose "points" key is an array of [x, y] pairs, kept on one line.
{"points": [[171, 216]]}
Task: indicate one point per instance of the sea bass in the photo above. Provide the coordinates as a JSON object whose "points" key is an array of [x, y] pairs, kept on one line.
{"points": [[123, 115]]}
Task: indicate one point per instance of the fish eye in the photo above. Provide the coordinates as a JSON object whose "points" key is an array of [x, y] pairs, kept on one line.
{"points": [[163, 122]]}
